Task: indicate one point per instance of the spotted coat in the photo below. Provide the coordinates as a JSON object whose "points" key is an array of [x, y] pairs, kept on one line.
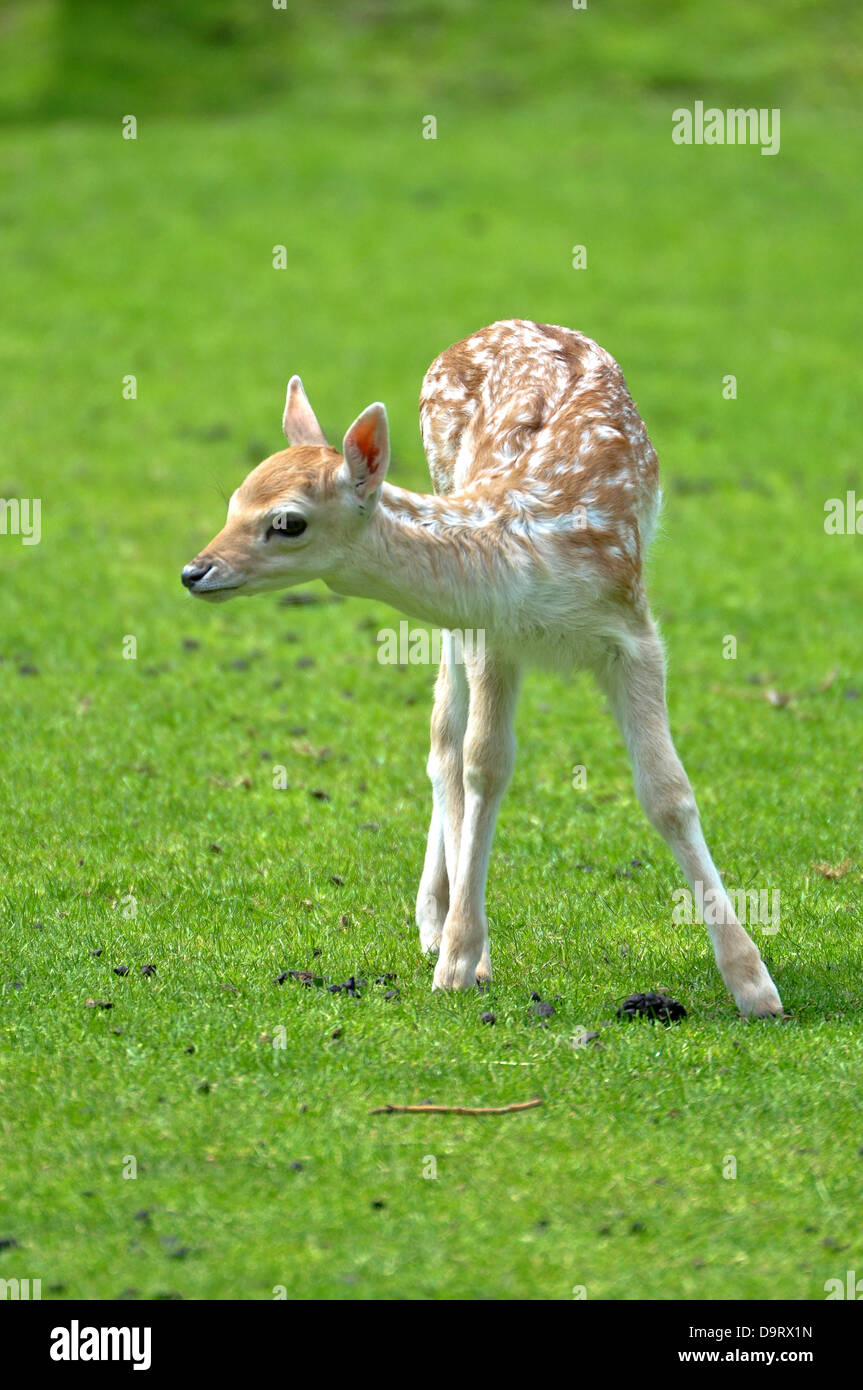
{"points": [[532, 426]]}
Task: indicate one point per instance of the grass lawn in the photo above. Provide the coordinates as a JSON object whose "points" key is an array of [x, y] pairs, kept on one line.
{"points": [[139, 823]]}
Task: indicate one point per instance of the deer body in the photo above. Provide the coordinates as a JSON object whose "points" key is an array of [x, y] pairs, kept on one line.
{"points": [[546, 496]]}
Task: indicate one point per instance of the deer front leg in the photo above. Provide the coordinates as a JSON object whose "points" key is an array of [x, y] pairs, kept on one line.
{"points": [[488, 756], [448, 724], [433, 892], [634, 680]]}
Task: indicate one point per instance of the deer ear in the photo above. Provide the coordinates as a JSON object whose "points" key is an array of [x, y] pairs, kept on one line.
{"points": [[299, 421], [366, 449]]}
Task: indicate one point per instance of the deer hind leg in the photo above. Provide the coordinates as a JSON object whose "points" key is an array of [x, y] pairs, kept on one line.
{"points": [[448, 724], [488, 757], [633, 677]]}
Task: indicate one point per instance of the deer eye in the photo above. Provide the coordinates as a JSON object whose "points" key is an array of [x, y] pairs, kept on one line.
{"points": [[286, 524]]}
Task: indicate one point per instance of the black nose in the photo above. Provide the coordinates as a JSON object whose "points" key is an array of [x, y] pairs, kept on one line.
{"points": [[193, 572]]}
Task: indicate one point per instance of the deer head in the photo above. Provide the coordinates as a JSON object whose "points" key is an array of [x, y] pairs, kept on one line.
{"points": [[300, 514]]}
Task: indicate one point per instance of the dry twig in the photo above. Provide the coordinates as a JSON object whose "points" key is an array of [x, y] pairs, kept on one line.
{"points": [[455, 1109]]}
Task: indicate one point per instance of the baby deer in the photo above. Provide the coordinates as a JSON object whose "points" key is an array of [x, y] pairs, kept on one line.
{"points": [[546, 496]]}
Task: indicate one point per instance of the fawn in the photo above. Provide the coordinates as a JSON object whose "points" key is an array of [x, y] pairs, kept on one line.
{"points": [[546, 496]]}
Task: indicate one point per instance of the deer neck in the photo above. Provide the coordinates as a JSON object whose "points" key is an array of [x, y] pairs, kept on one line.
{"points": [[439, 559]]}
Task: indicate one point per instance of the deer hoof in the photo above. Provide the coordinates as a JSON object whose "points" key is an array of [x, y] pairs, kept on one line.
{"points": [[455, 973], [759, 998], [483, 971], [429, 939]]}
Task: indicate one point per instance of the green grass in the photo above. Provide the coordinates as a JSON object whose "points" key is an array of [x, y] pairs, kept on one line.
{"points": [[120, 776]]}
